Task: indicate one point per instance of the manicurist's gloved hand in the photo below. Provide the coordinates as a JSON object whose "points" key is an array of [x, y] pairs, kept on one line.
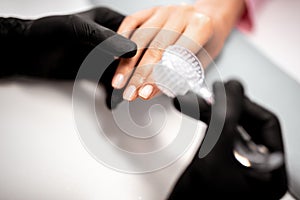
{"points": [[219, 175], [55, 46]]}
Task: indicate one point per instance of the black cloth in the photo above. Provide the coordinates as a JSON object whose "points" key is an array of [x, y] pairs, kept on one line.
{"points": [[219, 175]]}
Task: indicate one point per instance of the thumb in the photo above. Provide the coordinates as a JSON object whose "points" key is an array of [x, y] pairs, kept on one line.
{"points": [[193, 106], [234, 95]]}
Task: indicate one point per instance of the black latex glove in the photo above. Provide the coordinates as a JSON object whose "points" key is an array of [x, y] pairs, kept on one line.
{"points": [[219, 175], [55, 46]]}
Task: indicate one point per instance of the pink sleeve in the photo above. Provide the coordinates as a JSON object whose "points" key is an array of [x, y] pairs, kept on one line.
{"points": [[246, 23]]}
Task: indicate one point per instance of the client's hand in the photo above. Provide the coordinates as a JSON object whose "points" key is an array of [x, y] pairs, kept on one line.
{"points": [[219, 174], [204, 24]]}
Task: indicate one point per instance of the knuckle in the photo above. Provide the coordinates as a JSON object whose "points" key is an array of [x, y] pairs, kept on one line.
{"points": [[138, 78], [138, 37], [206, 19], [201, 19], [156, 44], [154, 53]]}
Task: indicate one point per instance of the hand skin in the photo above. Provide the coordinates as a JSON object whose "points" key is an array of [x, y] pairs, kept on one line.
{"points": [[207, 23]]}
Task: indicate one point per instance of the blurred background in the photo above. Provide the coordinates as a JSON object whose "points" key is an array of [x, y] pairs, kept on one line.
{"points": [[276, 34]]}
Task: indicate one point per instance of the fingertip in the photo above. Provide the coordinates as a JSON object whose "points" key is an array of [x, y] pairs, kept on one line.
{"points": [[129, 50], [129, 54], [232, 86], [122, 73], [130, 93], [146, 91], [235, 85], [118, 81]]}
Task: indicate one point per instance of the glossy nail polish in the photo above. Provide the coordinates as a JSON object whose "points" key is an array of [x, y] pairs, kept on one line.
{"points": [[129, 93], [118, 81], [146, 91]]}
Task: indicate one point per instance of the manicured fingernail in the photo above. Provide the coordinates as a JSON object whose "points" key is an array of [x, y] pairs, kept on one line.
{"points": [[129, 93], [118, 81], [146, 91]]}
